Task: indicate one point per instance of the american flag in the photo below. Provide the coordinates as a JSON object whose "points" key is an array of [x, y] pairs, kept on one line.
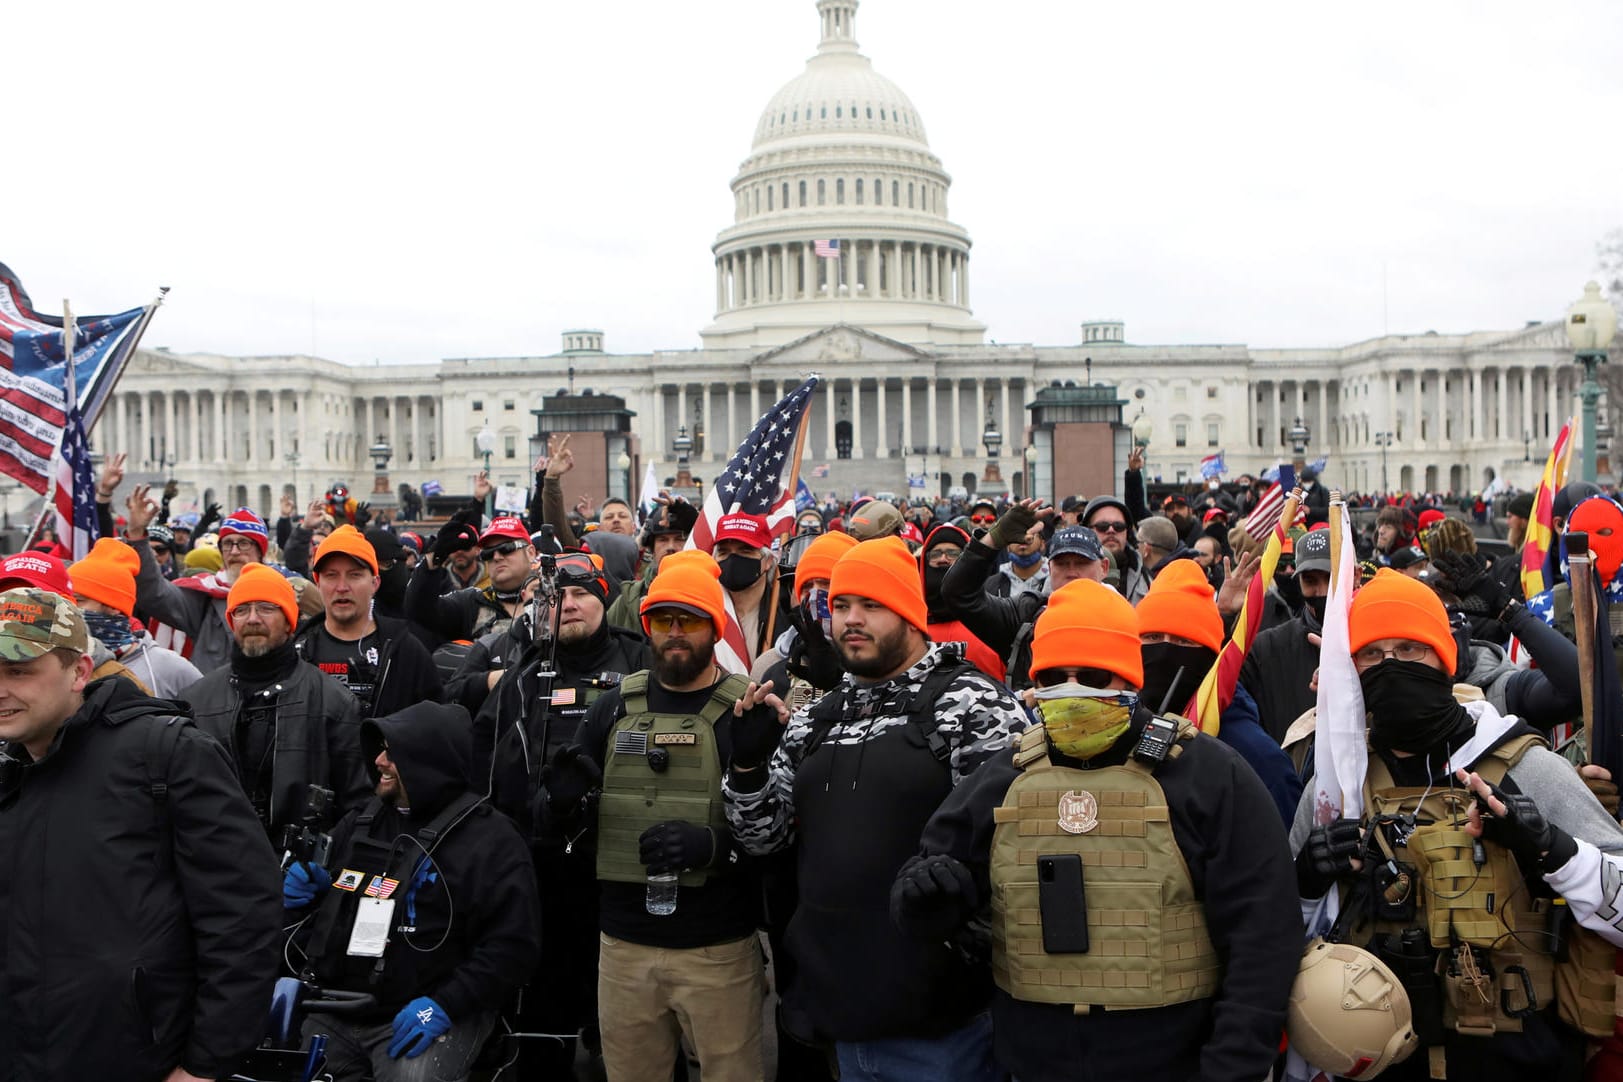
{"points": [[1259, 524], [753, 483], [820, 470], [74, 501], [33, 377], [826, 249]]}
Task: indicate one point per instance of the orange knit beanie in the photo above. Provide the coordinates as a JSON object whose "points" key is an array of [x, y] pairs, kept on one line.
{"points": [[1087, 625], [108, 575], [691, 579], [1180, 602], [1394, 606], [885, 571]]}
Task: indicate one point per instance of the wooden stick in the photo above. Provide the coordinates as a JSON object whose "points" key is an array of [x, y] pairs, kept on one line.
{"points": [[1583, 625]]}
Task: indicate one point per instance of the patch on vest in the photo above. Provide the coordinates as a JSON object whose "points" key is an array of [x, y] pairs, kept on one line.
{"points": [[628, 743], [1078, 811], [687, 739]]}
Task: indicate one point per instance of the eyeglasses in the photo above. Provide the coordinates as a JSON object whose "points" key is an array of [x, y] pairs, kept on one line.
{"points": [[1093, 678], [1404, 651], [504, 549], [237, 544], [944, 556], [983, 519], [689, 622], [160, 550], [1108, 526], [262, 609]]}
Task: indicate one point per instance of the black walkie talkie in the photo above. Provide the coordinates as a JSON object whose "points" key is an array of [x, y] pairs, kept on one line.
{"points": [[1156, 740]]}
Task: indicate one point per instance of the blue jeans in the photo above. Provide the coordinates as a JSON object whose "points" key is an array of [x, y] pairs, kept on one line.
{"points": [[359, 1052], [963, 1055]]}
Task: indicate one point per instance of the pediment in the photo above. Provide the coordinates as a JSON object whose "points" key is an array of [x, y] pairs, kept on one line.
{"points": [[839, 344]]}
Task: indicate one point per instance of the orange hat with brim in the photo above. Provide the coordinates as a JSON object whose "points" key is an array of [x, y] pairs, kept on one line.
{"points": [[1180, 602], [259, 582], [346, 541], [1394, 606], [818, 561], [883, 570], [690, 579], [1087, 625], [108, 575]]}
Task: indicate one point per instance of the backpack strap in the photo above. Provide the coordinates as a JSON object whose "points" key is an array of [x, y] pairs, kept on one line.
{"points": [[160, 748], [921, 712], [446, 819], [634, 693], [1021, 638], [728, 692], [824, 714]]}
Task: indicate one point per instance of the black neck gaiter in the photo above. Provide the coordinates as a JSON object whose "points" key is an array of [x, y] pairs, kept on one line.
{"points": [[1412, 708]]}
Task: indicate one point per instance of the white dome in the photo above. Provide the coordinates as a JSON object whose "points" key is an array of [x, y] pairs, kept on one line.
{"points": [[839, 94]]}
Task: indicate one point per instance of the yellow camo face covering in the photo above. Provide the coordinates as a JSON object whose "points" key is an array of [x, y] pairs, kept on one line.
{"points": [[1081, 721]]}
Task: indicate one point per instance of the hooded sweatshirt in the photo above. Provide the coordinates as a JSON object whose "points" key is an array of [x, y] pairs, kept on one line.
{"points": [[945, 626], [466, 923]]}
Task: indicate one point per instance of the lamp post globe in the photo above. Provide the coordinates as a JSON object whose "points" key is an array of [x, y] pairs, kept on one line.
{"points": [[486, 442]]}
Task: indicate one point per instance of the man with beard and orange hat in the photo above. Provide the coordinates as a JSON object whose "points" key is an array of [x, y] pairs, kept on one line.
{"points": [[1144, 922], [851, 780], [678, 904]]}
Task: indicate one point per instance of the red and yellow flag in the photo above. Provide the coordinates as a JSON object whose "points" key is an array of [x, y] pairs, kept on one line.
{"points": [[1217, 690], [1540, 532]]}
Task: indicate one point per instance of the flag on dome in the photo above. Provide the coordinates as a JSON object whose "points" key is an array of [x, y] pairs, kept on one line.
{"points": [[826, 249], [754, 483], [34, 373]]}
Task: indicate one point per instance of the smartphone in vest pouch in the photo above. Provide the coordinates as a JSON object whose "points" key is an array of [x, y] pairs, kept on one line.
{"points": [[1062, 904]]}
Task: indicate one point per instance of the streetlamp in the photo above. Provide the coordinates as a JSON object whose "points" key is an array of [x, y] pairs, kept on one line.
{"points": [[622, 462], [381, 452], [994, 444], [1527, 446], [1383, 440], [1031, 471], [682, 443], [292, 460], [1143, 429], [1300, 437], [486, 442], [1591, 323]]}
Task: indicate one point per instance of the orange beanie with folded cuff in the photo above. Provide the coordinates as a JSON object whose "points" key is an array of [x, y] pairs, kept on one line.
{"points": [[346, 541], [1180, 602], [259, 582], [1087, 625], [1394, 606], [818, 561], [690, 578], [883, 570], [108, 574]]}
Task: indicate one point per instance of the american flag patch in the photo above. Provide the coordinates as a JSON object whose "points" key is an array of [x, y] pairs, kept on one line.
{"points": [[629, 743], [563, 697], [380, 887]]}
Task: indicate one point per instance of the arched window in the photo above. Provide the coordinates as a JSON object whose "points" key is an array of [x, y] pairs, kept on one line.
{"points": [[839, 191], [878, 191], [910, 195], [821, 193], [837, 113], [895, 193], [859, 191], [785, 203], [803, 193], [769, 197]]}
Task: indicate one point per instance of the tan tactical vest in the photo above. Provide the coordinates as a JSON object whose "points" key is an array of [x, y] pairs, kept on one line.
{"points": [[636, 795], [1493, 934], [1148, 944]]}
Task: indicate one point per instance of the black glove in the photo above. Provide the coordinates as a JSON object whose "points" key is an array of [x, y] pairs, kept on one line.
{"points": [[755, 736], [1327, 856], [676, 846], [363, 514], [1012, 526], [569, 778], [211, 515], [1478, 591], [455, 536], [1532, 839], [932, 896]]}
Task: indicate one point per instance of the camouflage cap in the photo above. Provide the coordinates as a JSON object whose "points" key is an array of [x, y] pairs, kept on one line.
{"points": [[33, 622]]}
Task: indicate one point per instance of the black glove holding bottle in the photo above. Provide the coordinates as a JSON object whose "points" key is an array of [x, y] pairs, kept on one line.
{"points": [[677, 846]]}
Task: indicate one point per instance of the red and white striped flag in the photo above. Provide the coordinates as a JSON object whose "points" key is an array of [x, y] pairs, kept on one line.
{"points": [[826, 249], [1259, 524]]}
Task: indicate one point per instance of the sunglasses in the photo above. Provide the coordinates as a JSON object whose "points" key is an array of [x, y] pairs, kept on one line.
{"points": [[689, 622], [1093, 678], [160, 550], [1109, 527], [983, 518], [504, 549]]}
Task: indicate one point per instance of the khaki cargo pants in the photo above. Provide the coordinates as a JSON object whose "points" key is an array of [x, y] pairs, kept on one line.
{"points": [[648, 998]]}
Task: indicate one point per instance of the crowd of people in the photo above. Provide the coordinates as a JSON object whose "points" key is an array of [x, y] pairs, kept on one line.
{"points": [[560, 791]]}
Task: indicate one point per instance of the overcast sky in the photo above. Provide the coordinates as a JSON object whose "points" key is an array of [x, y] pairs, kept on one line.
{"points": [[409, 181]]}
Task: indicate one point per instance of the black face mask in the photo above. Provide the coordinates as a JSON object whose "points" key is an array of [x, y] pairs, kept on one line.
{"points": [[1412, 708], [740, 572], [1289, 589], [933, 578], [1316, 605], [392, 586], [1162, 660]]}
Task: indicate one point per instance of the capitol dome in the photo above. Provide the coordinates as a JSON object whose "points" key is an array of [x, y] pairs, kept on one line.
{"points": [[840, 213]]}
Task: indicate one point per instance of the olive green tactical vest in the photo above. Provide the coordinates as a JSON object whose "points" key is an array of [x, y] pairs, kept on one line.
{"points": [[1485, 910], [636, 796], [1148, 944]]}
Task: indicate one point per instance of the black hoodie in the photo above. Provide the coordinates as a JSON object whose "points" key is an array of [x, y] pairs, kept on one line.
{"points": [[466, 923]]}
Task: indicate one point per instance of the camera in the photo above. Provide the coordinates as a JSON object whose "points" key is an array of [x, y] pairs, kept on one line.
{"points": [[305, 841]]}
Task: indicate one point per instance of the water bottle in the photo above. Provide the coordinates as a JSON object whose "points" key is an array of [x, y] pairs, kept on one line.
{"points": [[661, 897]]}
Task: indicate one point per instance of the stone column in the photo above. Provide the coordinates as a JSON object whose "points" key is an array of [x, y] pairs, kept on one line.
{"points": [[1415, 439], [963, 279], [881, 449], [278, 433], [217, 437], [1501, 425], [929, 405], [786, 257], [1527, 403], [914, 289], [1003, 407], [682, 406], [856, 417], [194, 438], [709, 423], [734, 436], [830, 407], [808, 269], [873, 268], [907, 415], [1321, 415], [1552, 422], [755, 401], [252, 398], [957, 421]]}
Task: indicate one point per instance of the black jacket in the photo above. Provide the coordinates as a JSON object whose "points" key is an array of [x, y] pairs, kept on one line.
{"points": [[135, 936], [467, 926], [317, 736], [1277, 671], [406, 671], [508, 756], [433, 602], [1240, 864], [996, 621]]}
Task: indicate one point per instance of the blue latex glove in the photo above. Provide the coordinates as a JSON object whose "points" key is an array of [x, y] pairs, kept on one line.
{"points": [[303, 883], [419, 1024]]}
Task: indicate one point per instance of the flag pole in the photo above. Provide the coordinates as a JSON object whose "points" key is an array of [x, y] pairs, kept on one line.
{"points": [[794, 480], [1583, 625]]}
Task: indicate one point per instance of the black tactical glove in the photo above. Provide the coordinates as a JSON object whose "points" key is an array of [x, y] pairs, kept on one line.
{"points": [[1327, 856], [1011, 526], [1534, 840], [1479, 592], [569, 778], [676, 846], [211, 515], [932, 896], [362, 515], [455, 536], [755, 736]]}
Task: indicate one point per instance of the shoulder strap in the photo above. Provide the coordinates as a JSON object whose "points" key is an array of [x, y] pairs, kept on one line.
{"points": [[369, 813], [160, 748], [921, 713], [1033, 748], [824, 714], [1021, 637], [447, 818], [728, 692], [1510, 753], [634, 693]]}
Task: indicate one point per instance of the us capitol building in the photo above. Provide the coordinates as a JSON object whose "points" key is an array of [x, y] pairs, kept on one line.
{"points": [[912, 387]]}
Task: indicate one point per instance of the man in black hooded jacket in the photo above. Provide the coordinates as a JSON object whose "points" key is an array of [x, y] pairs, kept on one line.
{"points": [[448, 884]]}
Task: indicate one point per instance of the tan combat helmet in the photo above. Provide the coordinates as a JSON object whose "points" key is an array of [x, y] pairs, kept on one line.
{"points": [[1348, 1014]]}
